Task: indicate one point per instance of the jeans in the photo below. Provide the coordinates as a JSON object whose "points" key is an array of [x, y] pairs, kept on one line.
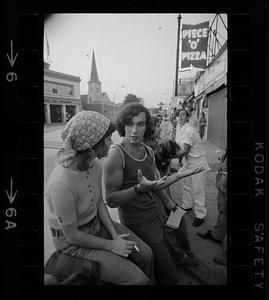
{"points": [[177, 240], [153, 233], [137, 269]]}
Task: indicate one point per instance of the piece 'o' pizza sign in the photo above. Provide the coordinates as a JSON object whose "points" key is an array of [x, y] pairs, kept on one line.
{"points": [[194, 45]]}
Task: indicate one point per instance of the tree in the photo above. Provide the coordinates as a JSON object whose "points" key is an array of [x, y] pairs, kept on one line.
{"points": [[160, 105], [131, 98], [155, 111]]}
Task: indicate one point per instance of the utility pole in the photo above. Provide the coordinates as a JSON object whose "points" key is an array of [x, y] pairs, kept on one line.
{"points": [[177, 54]]}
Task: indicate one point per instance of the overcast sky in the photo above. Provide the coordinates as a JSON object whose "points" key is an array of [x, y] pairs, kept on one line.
{"points": [[137, 51]]}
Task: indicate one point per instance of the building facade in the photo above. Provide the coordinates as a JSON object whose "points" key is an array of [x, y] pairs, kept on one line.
{"points": [[209, 95], [97, 100], [61, 96]]}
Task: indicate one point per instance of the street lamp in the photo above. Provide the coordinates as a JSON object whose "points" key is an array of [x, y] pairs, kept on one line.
{"points": [[122, 86]]}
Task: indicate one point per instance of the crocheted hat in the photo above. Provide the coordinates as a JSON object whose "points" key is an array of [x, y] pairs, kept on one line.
{"points": [[82, 131]]}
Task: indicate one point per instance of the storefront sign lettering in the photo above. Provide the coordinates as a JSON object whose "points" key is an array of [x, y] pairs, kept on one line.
{"points": [[194, 45]]}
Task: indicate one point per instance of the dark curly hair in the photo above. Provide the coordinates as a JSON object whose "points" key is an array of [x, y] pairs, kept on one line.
{"points": [[182, 109], [154, 120], [126, 114]]}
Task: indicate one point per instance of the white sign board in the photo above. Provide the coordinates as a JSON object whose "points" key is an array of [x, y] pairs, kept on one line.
{"points": [[175, 101]]}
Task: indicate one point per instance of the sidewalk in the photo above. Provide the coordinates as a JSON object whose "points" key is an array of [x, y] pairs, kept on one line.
{"points": [[53, 126], [52, 136], [207, 272]]}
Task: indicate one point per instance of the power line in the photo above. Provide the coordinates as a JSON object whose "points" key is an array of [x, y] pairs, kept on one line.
{"points": [[109, 47], [146, 33], [84, 54]]}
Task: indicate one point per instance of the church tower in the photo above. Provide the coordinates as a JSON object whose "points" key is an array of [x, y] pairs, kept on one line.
{"points": [[94, 84]]}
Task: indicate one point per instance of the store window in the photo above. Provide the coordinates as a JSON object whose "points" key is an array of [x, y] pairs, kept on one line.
{"points": [[70, 112], [56, 113]]}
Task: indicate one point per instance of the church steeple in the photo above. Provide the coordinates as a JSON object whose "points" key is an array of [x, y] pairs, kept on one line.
{"points": [[94, 75], [94, 84]]}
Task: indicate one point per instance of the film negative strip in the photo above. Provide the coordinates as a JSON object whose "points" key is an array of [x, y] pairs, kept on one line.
{"points": [[22, 163], [247, 164]]}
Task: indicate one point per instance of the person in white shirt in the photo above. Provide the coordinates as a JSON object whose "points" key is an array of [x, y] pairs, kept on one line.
{"points": [[192, 155], [193, 121]]}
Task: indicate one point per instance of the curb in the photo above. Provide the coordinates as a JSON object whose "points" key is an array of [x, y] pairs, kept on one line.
{"points": [[52, 144]]}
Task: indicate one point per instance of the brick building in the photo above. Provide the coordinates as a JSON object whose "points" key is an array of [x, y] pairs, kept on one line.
{"points": [[61, 96]]}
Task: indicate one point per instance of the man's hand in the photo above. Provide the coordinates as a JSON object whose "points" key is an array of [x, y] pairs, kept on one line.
{"points": [[168, 211], [183, 172], [121, 246], [174, 208], [146, 185]]}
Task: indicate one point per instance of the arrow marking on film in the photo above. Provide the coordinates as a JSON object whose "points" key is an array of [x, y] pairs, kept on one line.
{"points": [[10, 195], [10, 58]]}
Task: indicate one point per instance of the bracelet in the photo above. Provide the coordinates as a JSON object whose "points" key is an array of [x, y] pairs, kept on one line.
{"points": [[136, 189]]}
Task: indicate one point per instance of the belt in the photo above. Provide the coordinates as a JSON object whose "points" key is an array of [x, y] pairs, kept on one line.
{"points": [[56, 232]]}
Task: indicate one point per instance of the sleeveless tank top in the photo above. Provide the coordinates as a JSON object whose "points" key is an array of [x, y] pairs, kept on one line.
{"points": [[142, 209]]}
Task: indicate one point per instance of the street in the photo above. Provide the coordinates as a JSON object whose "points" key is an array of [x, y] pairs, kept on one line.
{"points": [[207, 272]]}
